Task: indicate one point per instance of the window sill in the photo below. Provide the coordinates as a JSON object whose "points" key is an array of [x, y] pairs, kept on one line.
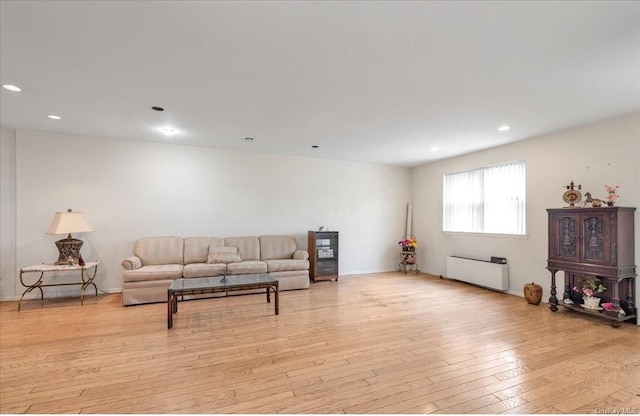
{"points": [[488, 235]]}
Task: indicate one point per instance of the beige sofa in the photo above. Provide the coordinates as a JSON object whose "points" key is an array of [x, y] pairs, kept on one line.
{"points": [[157, 261]]}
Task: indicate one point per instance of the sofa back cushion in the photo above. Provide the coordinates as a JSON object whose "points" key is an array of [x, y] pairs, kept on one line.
{"points": [[197, 248], [248, 247], [223, 255], [160, 250], [274, 247]]}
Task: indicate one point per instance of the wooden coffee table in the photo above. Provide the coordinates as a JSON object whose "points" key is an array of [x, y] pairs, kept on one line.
{"points": [[228, 283]]}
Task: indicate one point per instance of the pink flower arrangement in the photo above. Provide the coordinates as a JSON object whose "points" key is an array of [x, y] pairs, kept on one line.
{"points": [[590, 287], [612, 192]]}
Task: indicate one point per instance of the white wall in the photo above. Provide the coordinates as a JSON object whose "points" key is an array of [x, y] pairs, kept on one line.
{"points": [[132, 189], [7, 213], [594, 155]]}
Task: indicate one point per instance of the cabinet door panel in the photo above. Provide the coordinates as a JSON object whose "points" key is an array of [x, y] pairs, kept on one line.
{"points": [[596, 233], [564, 230], [325, 268]]}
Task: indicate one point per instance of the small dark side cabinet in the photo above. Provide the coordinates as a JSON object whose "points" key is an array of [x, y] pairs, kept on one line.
{"points": [[323, 255], [594, 242]]}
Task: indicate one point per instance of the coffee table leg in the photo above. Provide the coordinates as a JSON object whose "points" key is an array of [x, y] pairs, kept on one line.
{"points": [[277, 300], [169, 311], [268, 295]]}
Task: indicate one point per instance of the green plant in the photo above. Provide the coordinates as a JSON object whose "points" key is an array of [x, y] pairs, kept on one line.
{"points": [[590, 286]]}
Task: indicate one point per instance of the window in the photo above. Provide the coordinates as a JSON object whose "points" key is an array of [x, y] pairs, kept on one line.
{"points": [[486, 200]]}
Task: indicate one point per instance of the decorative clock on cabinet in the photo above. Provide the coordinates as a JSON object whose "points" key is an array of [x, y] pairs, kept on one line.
{"points": [[572, 196]]}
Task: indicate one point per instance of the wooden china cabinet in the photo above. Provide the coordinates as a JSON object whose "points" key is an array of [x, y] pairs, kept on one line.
{"points": [[594, 243], [323, 255]]}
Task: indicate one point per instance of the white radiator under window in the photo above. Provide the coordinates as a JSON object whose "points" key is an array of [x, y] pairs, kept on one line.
{"points": [[478, 272]]}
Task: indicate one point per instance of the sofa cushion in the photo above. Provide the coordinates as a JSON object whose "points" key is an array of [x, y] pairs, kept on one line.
{"points": [[277, 247], [247, 267], [248, 247], [233, 250], [160, 250], [217, 257], [204, 270], [282, 265], [153, 272], [197, 248]]}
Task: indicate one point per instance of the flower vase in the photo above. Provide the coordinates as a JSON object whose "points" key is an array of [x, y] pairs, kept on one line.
{"points": [[610, 203], [591, 302]]}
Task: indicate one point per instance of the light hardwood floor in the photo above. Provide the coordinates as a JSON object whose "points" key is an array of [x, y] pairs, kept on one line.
{"points": [[383, 343]]}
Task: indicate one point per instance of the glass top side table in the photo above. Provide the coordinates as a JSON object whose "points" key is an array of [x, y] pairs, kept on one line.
{"points": [[86, 278]]}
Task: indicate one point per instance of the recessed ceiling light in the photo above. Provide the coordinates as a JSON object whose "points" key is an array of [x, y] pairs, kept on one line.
{"points": [[168, 131], [315, 146], [157, 108], [11, 88], [435, 148], [54, 117], [504, 128], [248, 139]]}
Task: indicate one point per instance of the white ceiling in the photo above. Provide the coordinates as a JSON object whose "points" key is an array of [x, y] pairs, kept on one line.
{"points": [[379, 82]]}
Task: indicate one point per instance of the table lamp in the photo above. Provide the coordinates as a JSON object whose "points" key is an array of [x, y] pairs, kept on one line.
{"points": [[67, 223]]}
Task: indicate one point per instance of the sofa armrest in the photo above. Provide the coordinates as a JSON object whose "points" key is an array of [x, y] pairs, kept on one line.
{"points": [[301, 255], [131, 263]]}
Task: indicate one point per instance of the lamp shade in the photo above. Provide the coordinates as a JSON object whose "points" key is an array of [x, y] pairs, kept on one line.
{"points": [[69, 222]]}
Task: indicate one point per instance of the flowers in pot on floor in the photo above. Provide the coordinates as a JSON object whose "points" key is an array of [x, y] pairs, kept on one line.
{"points": [[590, 288], [612, 193], [408, 244]]}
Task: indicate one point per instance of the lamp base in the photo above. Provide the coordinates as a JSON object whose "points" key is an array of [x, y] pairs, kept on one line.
{"points": [[70, 247]]}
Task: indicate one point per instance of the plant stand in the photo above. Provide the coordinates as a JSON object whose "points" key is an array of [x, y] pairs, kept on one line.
{"points": [[408, 261]]}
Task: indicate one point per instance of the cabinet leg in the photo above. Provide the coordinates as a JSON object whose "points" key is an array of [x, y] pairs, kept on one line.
{"points": [[568, 282], [631, 285], [553, 300]]}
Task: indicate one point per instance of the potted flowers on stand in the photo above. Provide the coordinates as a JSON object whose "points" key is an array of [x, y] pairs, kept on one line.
{"points": [[590, 287], [408, 256], [408, 244]]}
